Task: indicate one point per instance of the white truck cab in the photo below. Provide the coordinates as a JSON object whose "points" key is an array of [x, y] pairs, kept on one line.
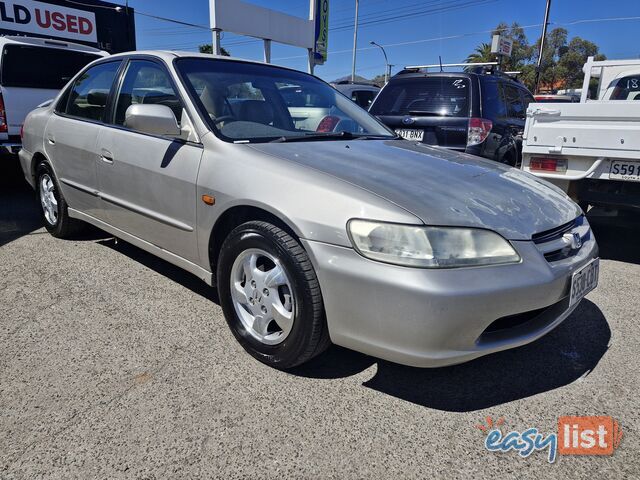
{"points": [[591, 149], [32, 71]]}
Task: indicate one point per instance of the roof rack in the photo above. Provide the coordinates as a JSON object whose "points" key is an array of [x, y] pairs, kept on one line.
{"points": [[444, 65], [486, 68], [349, 82]]}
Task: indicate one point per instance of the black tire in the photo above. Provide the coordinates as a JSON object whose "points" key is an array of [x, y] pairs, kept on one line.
{"points": [[63, 226], [308, 336]]}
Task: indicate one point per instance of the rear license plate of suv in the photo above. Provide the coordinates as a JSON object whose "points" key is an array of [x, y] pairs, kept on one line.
{"points": [[629, 171], [584, 280], [410, 133]]}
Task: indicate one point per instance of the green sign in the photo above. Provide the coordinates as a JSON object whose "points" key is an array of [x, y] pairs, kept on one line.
{"points": [[322, 32]]}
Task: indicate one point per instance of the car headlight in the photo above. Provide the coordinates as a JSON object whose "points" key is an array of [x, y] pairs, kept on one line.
{"points": [[429, 247]]}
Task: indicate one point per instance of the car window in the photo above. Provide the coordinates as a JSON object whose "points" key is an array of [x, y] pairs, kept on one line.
{"points": [[89, 93], [493, 105], [259, 103], [515, 104], [26, 66], [364, 98], [627, 88], [527, 98], [431, 96], [146, 82]]}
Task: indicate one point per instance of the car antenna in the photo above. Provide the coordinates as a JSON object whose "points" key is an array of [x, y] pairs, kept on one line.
{"points": [[440, 58]]}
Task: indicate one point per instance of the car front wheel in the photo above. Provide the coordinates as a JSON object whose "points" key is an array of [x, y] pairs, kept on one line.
{"points": [[270, 295]]}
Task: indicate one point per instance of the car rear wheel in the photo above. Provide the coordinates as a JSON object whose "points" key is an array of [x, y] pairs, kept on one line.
{"points": [[54, 207], [270, 295]]}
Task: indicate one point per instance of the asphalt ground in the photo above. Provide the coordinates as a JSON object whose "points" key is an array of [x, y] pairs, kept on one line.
{"points": [[115, 364]]}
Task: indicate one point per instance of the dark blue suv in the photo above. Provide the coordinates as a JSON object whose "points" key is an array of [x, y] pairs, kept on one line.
{"points": [[481, 112]]}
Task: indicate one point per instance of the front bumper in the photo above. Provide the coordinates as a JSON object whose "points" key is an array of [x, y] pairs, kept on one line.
{"points": [[431, 318]]}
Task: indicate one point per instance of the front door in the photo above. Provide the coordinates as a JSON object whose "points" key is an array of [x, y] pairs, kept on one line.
{"points": [[148, 183]]}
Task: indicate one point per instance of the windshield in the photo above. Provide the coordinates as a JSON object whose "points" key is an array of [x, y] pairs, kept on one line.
{"points": [[247, 102], [430, 96]]}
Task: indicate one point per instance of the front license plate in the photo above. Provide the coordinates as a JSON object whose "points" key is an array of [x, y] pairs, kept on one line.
{"points": [[410, 133], [629, 171], [584, 280]]}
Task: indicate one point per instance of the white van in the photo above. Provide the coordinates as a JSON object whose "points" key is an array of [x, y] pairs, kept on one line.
{"points": [[32, 71]]}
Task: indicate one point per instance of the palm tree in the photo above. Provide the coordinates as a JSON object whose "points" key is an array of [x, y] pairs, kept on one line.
{"points": [[482, 54]]}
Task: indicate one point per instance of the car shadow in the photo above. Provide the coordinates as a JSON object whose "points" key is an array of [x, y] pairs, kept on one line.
{"points": [[19, 208], [566, 354], [162, 267], [617, 236]]}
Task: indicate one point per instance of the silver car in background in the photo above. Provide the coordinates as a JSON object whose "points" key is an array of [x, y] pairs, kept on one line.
{"points": [[342, 233]]}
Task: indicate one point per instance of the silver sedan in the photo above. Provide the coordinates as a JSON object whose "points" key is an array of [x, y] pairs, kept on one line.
{"points": [[315, 222]]}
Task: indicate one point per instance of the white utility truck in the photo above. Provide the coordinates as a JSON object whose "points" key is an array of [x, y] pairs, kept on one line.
{"points": [[33, 70], [591, 149]]}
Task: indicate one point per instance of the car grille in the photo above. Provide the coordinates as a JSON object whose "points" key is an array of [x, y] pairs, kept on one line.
{"points": [[564, 241]]}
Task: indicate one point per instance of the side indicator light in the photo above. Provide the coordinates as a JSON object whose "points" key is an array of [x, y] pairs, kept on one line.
{"points": [[209, 199]]}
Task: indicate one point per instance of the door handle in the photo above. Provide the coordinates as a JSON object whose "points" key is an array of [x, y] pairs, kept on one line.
{"points": [[51, 140], [106, 156]]}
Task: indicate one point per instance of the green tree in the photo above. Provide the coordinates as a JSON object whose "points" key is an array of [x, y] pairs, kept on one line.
{"points": [[562, 61], [574, 58], [521, 52], [481, 54], [207, 48], [378, 80]]}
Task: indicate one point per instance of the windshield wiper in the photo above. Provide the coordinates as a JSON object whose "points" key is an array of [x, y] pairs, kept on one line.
{"points": [[376, 137], [314, 136]]}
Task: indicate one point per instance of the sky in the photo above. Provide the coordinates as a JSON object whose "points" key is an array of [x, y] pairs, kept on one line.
{"points": [[412, 31]]}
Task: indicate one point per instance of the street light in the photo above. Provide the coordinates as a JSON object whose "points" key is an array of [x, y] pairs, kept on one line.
{"points": [[387, 72]]}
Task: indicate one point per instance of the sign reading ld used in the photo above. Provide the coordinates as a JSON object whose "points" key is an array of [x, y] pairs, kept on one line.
{"points": [[54, 21]]}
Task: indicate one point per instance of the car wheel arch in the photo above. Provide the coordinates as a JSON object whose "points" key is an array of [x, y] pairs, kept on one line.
{"points": [[235, 216], [36, 160]]}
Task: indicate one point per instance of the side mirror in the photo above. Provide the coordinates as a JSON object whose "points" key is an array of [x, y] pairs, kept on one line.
{"points": [[152, 119]]}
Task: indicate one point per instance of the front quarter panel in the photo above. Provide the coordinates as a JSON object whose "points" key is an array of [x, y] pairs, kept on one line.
{"points": [[316, 206]]}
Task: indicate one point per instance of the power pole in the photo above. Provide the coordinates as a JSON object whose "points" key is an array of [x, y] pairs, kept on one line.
{"points": [[544, 36], [355, 42]]}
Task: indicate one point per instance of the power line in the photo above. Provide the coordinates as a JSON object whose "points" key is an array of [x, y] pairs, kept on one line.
{"points": [[469, 34]]}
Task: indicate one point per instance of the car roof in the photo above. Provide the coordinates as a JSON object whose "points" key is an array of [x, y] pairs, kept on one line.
{"points": [[355, 86], [481, 76], [170, 55], [50, 43]]}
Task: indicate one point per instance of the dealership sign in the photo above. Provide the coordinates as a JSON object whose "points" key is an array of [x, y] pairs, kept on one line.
{"points": [[321, 31], [501, 45], [39, 18]]}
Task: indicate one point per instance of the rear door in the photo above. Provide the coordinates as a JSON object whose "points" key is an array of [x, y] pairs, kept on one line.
{"points": [[494, 108], [432, 109], [30, 75], [71, 134], [148, 182]]}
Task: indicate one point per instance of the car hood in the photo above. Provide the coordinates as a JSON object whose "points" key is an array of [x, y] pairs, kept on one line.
{"points": [[439, 186]]}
